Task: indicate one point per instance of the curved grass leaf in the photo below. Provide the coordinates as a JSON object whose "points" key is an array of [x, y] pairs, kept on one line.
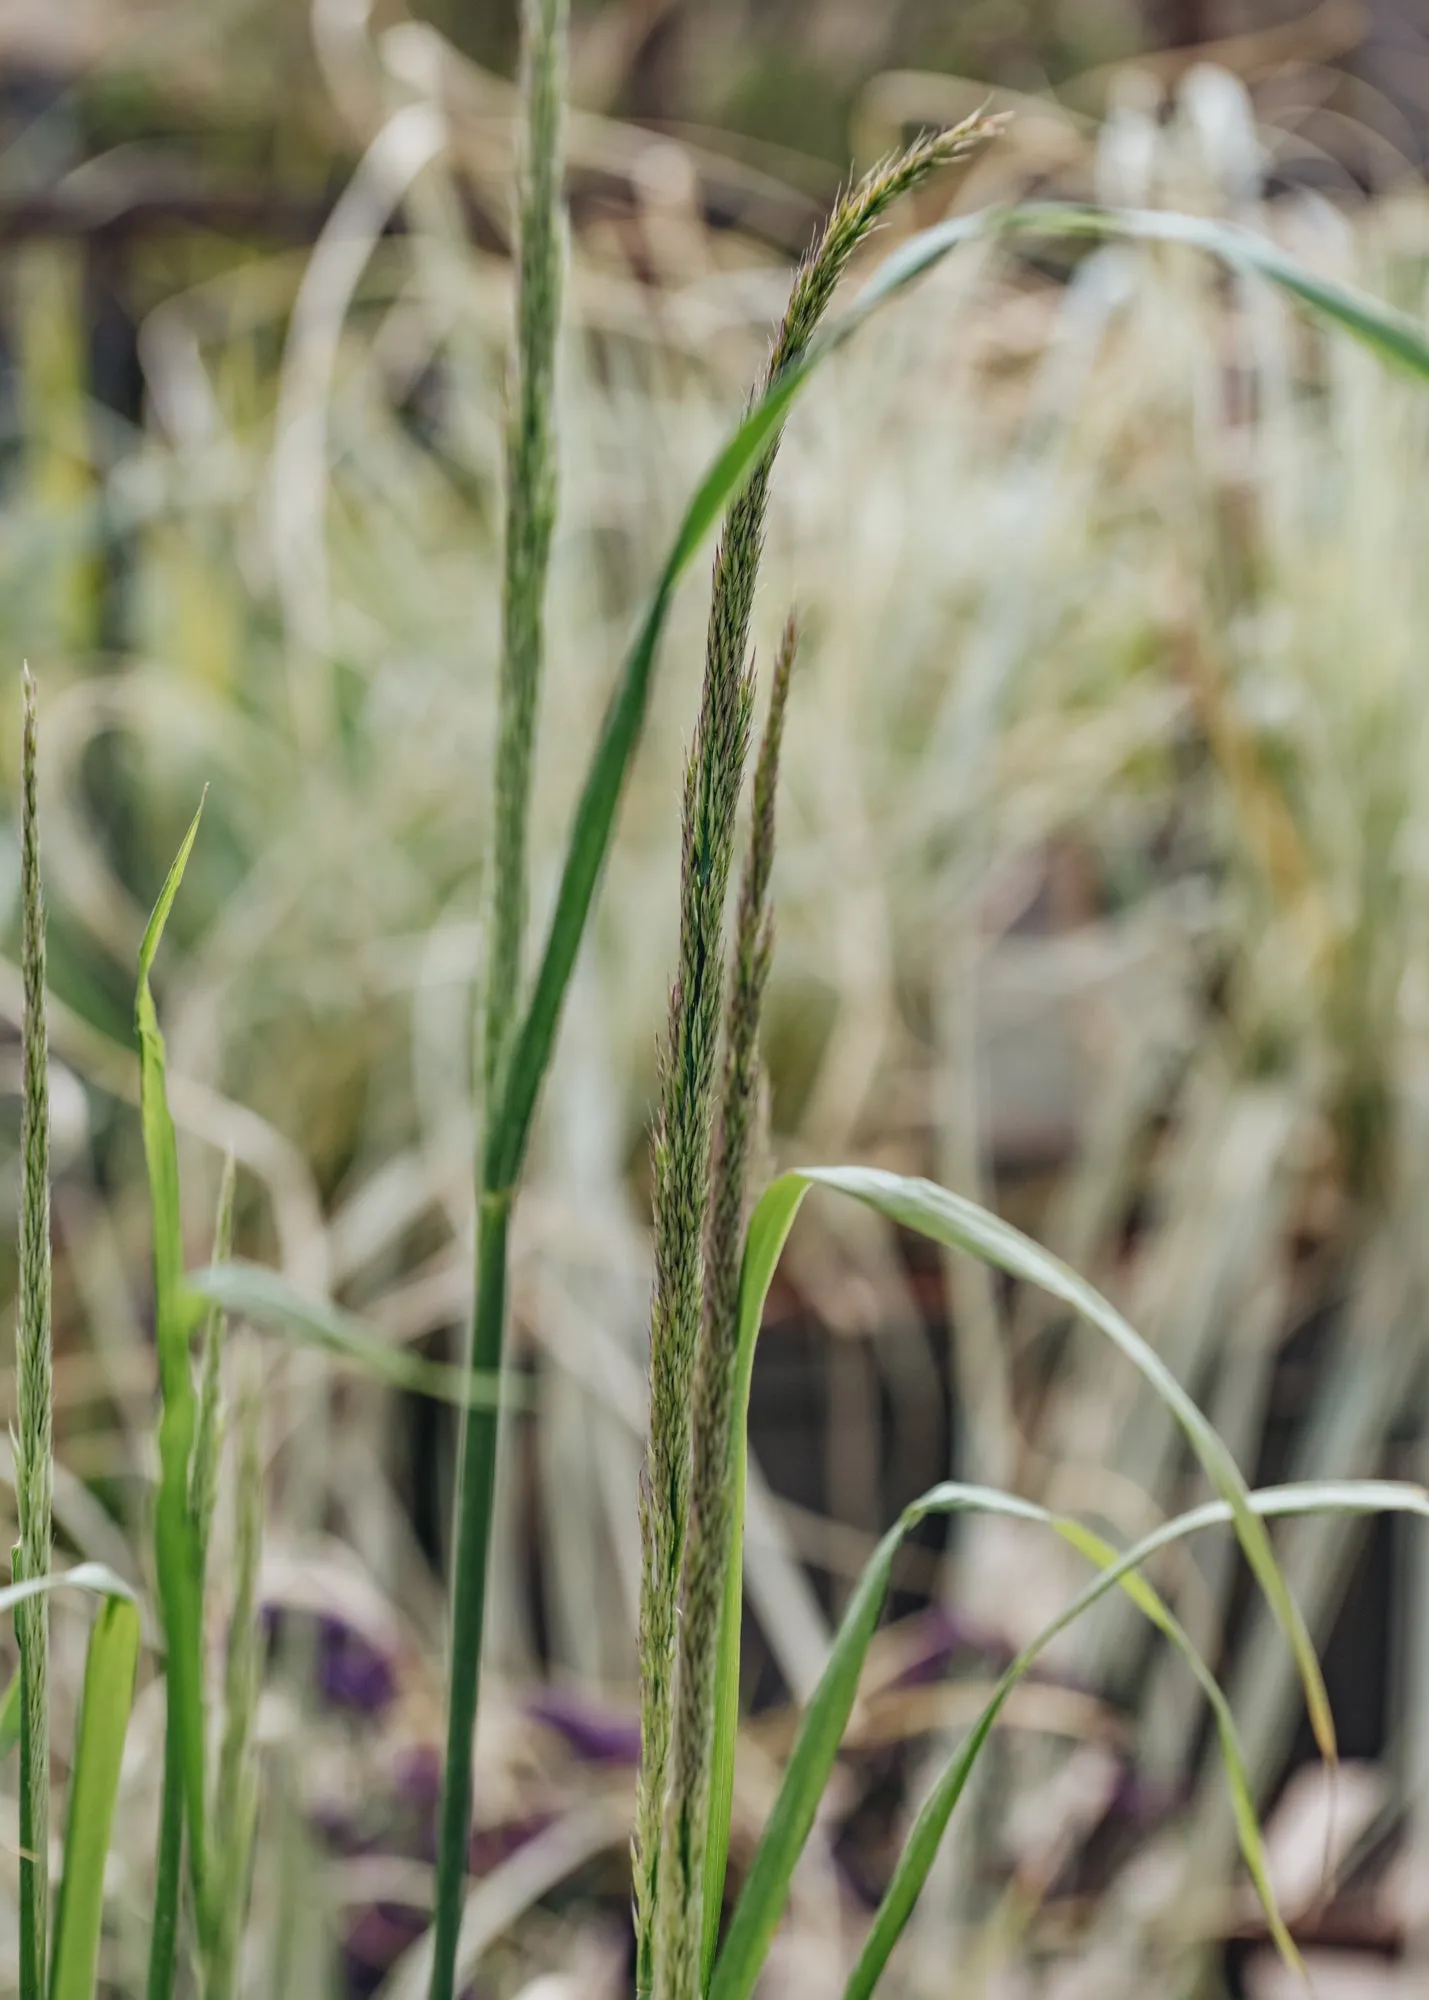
{"points": [[97, 1578], [916, 1860], [961, 1225], [175, 1540], [103, 1719], [821, 1729], [1391, 334], [259, 1295]]}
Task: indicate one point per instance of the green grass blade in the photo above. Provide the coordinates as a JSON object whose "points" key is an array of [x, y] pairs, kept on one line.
{"points": [[103, 1720], [265, 1299], [175, 1539], [10, 1715], [916, 1860], [821, 1729], [826, 1717], [959, 1224], [96, 1578]]}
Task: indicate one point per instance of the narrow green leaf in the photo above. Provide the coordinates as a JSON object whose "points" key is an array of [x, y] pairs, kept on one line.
{"points": [[10, 1715], [266, 1299], [959, 1224], [96, 1578], [103, 1720], [821, 1729], [916, 1860], [175, 1539]]}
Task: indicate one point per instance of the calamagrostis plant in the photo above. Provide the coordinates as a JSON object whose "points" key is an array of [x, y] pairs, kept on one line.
{"points": [[34, 1433], [678, 1945], [682, 1139], [530, 519]]}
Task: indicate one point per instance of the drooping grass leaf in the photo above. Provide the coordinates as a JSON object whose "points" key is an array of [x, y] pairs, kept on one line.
{"points": [[175, 1538], [103, 1719], [267, 1299], [961, 1225], [916, 1860], [766, 1887]]}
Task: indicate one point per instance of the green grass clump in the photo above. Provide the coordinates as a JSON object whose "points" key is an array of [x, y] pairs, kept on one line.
{"points": [[715, 1254]]}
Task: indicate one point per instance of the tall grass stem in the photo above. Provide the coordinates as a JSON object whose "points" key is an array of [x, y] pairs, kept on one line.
{"points": [[530, 522], [34, 1431]]}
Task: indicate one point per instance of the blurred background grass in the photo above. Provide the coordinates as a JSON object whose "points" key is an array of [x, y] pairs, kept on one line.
{"points": [[1103, 894]]}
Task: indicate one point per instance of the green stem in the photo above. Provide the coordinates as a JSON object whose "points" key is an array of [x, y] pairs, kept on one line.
{"points": [[164, 1937], [31, 1897], [476, 1484]]}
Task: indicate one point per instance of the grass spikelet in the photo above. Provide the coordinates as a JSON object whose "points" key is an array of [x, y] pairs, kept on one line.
{"points": [[34, 1432], [690, 1935], [682, 1139], [530, 504]]}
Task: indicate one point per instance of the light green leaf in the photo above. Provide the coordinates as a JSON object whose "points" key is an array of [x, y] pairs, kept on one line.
{"points": [[103, 1720], [959, 1224], [266, 1299], [806, 1775], [1312, 1497], [175, 1541]]}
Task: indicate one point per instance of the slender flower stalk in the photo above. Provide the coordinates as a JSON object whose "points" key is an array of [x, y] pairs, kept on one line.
{"points": [[34, 1432], [530, 520], [711, 1519], [682, 1138]]}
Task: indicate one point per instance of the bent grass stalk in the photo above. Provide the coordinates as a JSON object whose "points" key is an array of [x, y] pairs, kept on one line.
{"points": [[34, 1429]]}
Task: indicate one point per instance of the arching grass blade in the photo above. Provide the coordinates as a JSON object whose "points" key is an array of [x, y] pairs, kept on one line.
{"points": [[916, 1860], [266, 1299]]}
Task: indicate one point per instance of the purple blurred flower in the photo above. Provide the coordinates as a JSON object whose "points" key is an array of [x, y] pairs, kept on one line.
{"points": [[351, 1671], [595, 1734]]}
